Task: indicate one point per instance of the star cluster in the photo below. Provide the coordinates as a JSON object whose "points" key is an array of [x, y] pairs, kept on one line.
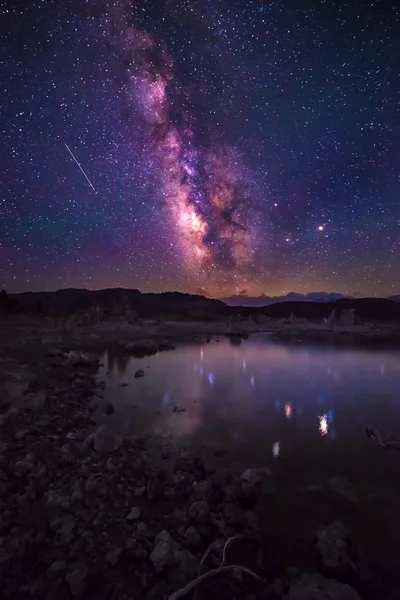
{"points": [[232, 147]]}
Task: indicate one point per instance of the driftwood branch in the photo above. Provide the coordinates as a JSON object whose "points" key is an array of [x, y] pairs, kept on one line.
{"points": [[223, 568]]}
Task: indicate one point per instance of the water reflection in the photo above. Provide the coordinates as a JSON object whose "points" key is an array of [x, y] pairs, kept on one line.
{"points": [[323, 424], [276, 448], [256, 396], [288, 410]]}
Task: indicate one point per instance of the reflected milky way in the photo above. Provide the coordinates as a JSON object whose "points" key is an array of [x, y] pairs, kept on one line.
{"points": [[263, 393]]}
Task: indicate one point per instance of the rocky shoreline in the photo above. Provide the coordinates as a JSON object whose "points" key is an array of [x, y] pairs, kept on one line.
{"points": [[85, 514]]}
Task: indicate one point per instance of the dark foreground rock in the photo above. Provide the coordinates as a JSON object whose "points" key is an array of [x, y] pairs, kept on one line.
{"points": [[312, 586]]}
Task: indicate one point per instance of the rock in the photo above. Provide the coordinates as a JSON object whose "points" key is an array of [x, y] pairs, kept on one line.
{"points": [[76, 579], [157, 592], [25, 465], [93, 483], [134, 514], [254, 476], [232, 514], [113, 556], [312, 586], [109, 409], [163, 552], [55, 500], [139, 373], [12, 415], [152, 489], [344, 489], [252, 484], [99, 439], [78, 359], [139, 491], [199, 511], [20, 435], [334, 551], [191, 537], [37, 399], [56, 569], [251, 520], [64, 527], [77, 491]]}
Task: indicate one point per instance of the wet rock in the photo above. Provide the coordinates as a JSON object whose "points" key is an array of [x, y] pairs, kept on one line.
{"points": [[56, 569], [344, 489], [139, 491], [199, 511], [163, 552], [312, 586], [333, 549], [139, 373], [134, 514], [78, 359], [109, 409], [76, 578], [255, 476], [252, 484]]}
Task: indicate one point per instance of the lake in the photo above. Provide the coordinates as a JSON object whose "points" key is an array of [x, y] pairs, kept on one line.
{"points": [[300, 409]]}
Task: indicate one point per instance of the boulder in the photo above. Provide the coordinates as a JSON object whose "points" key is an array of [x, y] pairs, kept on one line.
{"points": [[312, 586], [199, 511], [163, 551], [333, 548]]}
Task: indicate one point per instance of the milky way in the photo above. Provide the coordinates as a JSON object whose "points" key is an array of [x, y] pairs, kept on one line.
{"points": [[234, 146], [203, 189]]}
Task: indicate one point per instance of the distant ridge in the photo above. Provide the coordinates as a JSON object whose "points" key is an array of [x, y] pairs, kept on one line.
{"points": [[264, 300], [185, 306]]}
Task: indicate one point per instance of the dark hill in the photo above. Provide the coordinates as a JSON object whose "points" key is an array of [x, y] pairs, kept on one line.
{"points": [[168, 303], [366, 309], [179, 305]]}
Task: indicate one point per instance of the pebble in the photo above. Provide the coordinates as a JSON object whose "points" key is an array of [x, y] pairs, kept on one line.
{"points": [[133, 514]]}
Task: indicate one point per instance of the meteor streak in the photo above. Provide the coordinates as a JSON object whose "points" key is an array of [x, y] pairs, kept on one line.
{"points": [[87, 178]]}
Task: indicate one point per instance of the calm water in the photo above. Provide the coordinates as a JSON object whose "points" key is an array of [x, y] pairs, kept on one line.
{"points": [[300, 409]]}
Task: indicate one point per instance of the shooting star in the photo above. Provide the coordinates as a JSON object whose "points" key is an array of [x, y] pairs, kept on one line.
{"points": [[87, 178]]}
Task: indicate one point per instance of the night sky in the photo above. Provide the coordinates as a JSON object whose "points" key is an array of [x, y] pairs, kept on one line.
{"points": [[228, 146]]}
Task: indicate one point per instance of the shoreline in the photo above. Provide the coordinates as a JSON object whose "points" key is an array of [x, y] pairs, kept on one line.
{"points": [[88, 514]]}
